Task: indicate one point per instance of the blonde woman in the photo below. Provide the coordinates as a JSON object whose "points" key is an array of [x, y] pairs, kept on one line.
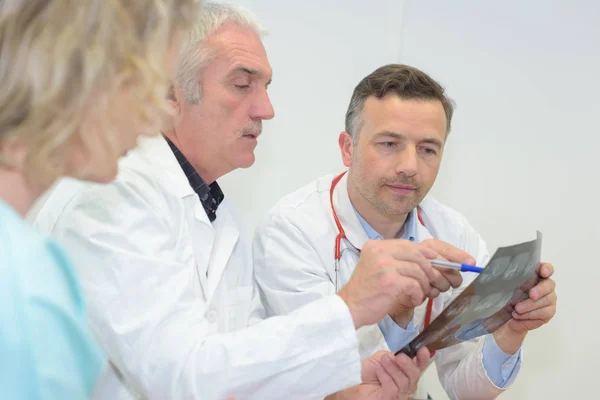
{"points": [[80, 80]]}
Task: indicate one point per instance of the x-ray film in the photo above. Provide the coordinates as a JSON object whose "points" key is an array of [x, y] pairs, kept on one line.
{"points": [[488, 302]]}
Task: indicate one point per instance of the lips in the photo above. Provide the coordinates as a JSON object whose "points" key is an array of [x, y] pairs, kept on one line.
{"points": [[251, 135], [402, 189]]}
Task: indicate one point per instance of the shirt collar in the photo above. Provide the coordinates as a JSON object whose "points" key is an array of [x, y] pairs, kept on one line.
{"points": [[211, 196], [409, 232]]}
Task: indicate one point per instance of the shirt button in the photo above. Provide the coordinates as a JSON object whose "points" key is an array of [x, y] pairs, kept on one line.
{"points": [[211, 316]]}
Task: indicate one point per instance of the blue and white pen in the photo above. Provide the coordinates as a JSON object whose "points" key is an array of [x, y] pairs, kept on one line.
{"points": [[456, 266]]}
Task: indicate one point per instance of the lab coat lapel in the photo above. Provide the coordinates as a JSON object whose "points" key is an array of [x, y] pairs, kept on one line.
{"points": [[201, 232], [420, 311], [202, 236], [347, 216], [226, 237], [423, 233]]}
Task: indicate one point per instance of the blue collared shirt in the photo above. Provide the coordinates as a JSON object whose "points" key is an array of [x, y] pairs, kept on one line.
{"points": [[501, 368]]}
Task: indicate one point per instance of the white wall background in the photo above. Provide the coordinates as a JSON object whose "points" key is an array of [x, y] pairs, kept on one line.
{"points": [[319, 51], [523, 154]]}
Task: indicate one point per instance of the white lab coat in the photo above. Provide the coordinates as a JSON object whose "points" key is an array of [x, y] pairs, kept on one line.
{"points": [[294, 265], [170, 294]]}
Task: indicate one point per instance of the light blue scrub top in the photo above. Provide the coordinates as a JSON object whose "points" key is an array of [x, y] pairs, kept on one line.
{"points": [[46, 348]]}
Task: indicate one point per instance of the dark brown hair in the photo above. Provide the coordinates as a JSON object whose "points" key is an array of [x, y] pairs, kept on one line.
{"points": [[406, 82]]}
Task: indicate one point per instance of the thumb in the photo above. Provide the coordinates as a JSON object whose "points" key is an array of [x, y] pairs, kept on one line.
{"points": [[423, 358]]}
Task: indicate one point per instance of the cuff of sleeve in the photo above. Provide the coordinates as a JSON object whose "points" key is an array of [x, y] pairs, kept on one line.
{"points": [[347, 332], [501, 368], [395, 336]]}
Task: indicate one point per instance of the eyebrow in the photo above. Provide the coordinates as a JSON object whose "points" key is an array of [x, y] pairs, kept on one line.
{"points": [[251, 72], [436, 142]]}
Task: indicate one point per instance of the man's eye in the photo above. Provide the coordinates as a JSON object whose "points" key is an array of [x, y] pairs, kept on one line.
{"points": [[388, 144], [429, 151], [242, 86]]}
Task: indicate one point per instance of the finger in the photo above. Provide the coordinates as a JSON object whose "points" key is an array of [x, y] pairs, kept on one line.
{"points": [[453, 277], [449, 252], [443, 278], [406, 254], [388, 387], [391, 377], [448, 278], [543, 288], [545, 270], [531, 305], [423, 358], [431, 277], [543, 314], [410, 370], [524, 326], [407, 292], [439, 281], [401, 248], [413, 271]]}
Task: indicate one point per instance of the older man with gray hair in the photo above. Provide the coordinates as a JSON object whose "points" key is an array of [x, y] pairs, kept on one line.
{"points": [[168, 272]]}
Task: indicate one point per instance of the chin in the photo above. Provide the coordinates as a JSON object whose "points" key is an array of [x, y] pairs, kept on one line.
{"points": [[106, 178], [99, 175], [246, 161]]}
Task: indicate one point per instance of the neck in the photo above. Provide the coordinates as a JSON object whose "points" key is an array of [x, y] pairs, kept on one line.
{"points": [[16, 192], [388, 226], [208, 174]]}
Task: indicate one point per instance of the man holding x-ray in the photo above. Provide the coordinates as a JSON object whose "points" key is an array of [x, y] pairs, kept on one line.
{"points": [[307, 248]]}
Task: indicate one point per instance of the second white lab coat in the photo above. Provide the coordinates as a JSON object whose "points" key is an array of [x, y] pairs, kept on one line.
{"points": [[294, 263], [171, 295]]}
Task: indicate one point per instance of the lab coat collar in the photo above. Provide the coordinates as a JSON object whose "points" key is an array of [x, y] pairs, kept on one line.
{"points": [[225, 239], [345, 212], [158, 151], [424, 228]]}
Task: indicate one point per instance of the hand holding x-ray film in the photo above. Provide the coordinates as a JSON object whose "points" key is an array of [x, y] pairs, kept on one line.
{"points": [[488, 302]]}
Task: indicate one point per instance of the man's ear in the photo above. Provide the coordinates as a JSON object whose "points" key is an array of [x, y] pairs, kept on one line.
{"points": [[174, 99], [346, 148]]}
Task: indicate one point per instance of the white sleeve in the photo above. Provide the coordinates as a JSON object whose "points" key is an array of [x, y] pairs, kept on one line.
{"points": [[291, 274], [288, 269], [151, 323], [460, 368]]}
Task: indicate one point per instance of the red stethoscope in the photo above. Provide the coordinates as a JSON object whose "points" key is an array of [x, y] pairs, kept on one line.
{"points": [[342, 235]]}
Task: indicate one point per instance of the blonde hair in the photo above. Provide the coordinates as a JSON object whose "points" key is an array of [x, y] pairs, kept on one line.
{"points": [[59, 56]]}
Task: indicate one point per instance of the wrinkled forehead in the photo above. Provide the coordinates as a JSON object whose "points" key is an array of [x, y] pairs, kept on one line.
{"points": [[236, 47]]}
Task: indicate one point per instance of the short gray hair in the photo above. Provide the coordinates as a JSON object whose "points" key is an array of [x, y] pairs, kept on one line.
{"points": [[194, 55]]}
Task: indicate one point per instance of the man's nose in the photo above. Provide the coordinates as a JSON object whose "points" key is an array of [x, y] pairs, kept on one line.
{"points": [[407, 161], [262, 107]]}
